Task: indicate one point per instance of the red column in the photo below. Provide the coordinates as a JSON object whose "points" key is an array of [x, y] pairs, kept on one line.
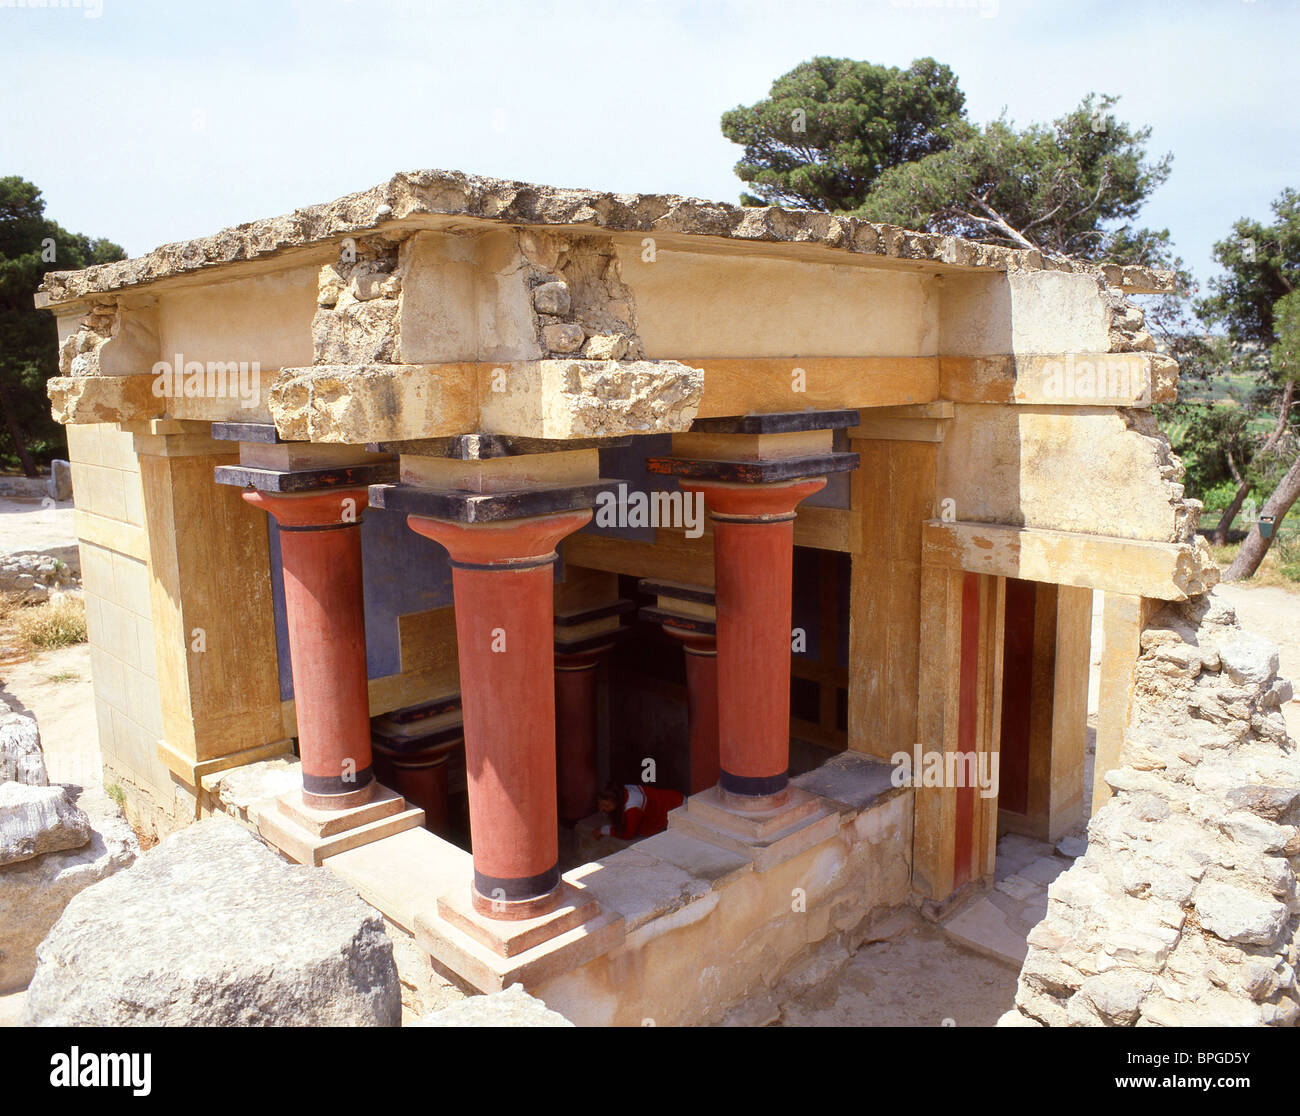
{"points": [[701, 704], [419, 773], [320, 551], [753, 547], [503, 583], [575, 731]]}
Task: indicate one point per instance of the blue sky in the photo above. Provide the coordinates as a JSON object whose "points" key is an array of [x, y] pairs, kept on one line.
{"points": [[154, 121]]}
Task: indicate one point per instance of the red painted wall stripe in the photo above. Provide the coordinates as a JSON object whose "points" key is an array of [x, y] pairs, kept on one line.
{"points": [[968, 710]]}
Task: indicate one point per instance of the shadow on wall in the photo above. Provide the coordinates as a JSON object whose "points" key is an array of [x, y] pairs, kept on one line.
{"points": [[404, 573]]}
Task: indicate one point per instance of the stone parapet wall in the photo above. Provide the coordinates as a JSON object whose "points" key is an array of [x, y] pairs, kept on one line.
{"points": [[709, 934]]}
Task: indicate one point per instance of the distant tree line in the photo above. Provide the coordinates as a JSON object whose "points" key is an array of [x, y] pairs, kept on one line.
{"points": [[30, 245]]}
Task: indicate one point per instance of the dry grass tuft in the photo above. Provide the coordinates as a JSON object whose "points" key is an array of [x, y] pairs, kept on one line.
{"points": [[58, 622]]}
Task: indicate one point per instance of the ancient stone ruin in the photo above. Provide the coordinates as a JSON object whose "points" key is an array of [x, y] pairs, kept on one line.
{"points": [[1183, 912], [258, 942], [411, 520], [55, 842]]}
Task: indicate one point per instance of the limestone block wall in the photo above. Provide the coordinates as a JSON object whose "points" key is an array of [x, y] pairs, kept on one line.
{"points": [[709, 932], [1093, 470], [115, 578], [1080, 450]]}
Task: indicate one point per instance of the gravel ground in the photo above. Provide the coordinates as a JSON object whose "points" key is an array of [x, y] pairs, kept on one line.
{"points": [[918, 979]]}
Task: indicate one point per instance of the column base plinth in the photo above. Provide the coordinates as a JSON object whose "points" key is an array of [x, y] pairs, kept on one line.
{"points": [[514, 910], [525, 924], [754, 803], [309, 835], [767, 836], [338, 803], [493, 953]]}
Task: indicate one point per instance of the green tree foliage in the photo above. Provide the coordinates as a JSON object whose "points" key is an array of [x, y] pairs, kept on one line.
{"points": [[1284, 357], [31, 245], [1257, 303], [1212, 440], [1262, 262], [1071, 188], [830, 128]]}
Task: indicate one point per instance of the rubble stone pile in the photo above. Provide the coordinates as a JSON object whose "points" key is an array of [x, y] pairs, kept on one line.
{"points": [[1184, 910]]}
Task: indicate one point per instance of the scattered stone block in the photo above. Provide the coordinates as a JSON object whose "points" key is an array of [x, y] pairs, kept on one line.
{"points": [[985, 929], [36, 820], [1072, 847], [21, 759], [213, 929], [33, 577], [60, 480], [34, 893]]}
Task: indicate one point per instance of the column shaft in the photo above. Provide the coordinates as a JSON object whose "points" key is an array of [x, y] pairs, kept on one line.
{"points": [[754, 564], [753, 548], [321, 557], [509, 704], [575, 733], [702, 709], [502, 578]]}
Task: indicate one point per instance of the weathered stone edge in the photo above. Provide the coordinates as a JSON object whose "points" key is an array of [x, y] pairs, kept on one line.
{"points": [[454, 194]]}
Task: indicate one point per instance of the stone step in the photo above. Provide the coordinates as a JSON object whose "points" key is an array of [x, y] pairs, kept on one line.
{"points": [[305, 847], [772, 848], [488, 971]]}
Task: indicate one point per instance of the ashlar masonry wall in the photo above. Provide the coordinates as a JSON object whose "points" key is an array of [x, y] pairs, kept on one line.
{"points": [[714, 935], [119, 621]]}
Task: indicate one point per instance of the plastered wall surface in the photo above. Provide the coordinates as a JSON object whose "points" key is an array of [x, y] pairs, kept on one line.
{"points": [[694, 305]]}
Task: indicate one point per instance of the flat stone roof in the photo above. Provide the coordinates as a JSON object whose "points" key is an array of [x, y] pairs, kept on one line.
{"points": [[451, 199]]}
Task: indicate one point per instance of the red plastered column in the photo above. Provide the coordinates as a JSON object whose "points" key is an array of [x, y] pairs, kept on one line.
{"points": [[320, 551], [503, 584], [702, 704], [575, 731], [753, 546]]}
